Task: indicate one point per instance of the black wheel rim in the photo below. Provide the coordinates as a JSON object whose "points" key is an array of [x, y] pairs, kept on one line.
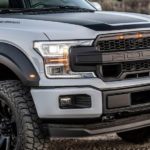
{"points": [[8, 130]]}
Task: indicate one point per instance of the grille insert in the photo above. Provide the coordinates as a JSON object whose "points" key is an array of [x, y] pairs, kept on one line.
{"points": [[135, 66], [141, 97], [125, 55], [130, 42], [126, 70]]}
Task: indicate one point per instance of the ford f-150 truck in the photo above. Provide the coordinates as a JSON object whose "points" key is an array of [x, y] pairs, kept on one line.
{"points": [[66, 67]]}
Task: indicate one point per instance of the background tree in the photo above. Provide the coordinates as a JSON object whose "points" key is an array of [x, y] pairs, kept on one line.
{"points": [[140, 6]]}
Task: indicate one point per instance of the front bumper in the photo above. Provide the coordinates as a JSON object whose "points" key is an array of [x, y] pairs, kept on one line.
{"points": [[122, 114], [47, 103], [119, 125], [103, 103]]}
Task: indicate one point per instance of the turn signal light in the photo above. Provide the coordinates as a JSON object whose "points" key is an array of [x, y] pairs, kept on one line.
{"points": [[139, 35], [121, 37]]}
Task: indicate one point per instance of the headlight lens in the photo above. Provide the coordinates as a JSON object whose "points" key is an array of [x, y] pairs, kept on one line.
{"points": [[56, 58]]}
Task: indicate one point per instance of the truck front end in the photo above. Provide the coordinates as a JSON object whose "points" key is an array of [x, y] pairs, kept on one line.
{"points": [[95, 86], [71, 70]]}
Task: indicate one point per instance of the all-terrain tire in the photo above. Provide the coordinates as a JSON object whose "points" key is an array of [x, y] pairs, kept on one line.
{"points": [[30, 132], [135, 136]]}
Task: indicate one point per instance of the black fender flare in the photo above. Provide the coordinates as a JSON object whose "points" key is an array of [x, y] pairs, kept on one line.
{"points": [[14, 59]]}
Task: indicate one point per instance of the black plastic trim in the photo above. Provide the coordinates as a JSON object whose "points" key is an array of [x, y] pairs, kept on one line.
{"points": [[84, 59], [119, 125], [18, 62], [89, 59], [128, 108], [78, 101]]}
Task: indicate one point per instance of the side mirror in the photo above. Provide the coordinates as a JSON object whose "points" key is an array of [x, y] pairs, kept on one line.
{"points": [[97, 6]]}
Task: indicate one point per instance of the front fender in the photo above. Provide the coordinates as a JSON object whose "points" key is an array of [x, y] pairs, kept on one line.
{"points": [[18, 62]]}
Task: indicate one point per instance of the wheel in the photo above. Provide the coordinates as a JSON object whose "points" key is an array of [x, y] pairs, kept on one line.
{"points": [[135, 136], [20, 127]]}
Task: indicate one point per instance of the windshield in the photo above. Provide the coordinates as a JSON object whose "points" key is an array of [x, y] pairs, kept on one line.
{"points": [[46, 3], [45, 6]]}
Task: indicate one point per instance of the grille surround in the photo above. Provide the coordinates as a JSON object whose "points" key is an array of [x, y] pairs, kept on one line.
{"points": [[108, 45]]}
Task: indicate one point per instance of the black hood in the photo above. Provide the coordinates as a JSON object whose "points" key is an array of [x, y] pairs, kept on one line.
{"points": [[99, 21]]}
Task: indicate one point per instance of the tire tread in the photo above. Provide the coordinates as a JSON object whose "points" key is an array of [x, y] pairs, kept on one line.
{"points": [[32, 131]]}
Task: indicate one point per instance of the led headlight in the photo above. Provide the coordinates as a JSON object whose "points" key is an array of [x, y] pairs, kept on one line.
{"points": [[56, 58]]}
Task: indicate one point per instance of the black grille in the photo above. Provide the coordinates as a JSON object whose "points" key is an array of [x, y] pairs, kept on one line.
{"points": [[124, 44], [135, 66], [125, 55], [126, 70]]}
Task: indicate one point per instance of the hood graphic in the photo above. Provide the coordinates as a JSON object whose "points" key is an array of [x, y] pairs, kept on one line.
{"points": [[98, 21]]}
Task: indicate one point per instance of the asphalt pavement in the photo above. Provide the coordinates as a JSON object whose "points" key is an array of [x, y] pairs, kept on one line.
{"points": [[103, 142]]}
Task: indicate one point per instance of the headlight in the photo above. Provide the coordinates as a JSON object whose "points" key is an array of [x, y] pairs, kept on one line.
{"points": [[56, 58]]}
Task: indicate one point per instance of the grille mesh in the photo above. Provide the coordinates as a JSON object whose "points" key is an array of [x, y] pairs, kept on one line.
{"points": [[135, 66], [126, 70], [125, 44], [130, 42]]}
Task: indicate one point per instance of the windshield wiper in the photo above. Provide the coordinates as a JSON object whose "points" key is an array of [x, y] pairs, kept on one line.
{"points": [[63, 7]]}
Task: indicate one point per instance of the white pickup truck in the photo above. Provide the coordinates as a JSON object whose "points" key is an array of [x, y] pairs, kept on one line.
{"points": [[66, 67]]}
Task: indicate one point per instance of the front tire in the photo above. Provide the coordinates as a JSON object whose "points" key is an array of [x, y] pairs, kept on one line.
{"points": [[19, 122], [135, 136]]}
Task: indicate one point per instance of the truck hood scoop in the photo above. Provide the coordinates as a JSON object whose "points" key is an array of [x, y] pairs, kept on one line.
{"points": [[99, 21]]}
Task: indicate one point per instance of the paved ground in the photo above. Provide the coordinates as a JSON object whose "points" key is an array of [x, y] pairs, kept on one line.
{"points": [[105, 142]]}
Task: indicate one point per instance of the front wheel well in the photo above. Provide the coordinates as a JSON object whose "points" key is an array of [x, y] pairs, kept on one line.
{"points": [[7, 74]]}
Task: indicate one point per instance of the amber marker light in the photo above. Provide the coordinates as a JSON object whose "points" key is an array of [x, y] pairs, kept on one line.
{"points": [[32, 76], [121, 37], [139, 35]]}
